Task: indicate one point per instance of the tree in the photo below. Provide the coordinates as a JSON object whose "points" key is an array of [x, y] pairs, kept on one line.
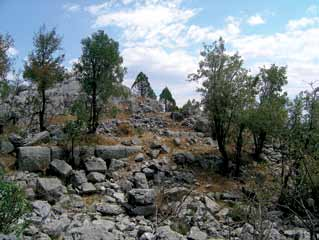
{"points": [[142, 86], [43, 67], [6, 43], [270, 114], [100, 73], [224, 91], [13, 207], [168, 100]]}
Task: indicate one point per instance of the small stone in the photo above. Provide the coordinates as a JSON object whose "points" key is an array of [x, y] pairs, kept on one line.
{"points": [[139, 157], [196, 234], [95, 177], [88, 188]]}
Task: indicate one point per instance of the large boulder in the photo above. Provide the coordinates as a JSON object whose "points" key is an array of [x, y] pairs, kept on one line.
{"points": [[34, 159], [61, 168], [116, 151], [94, 164], [141, 196], [50, 189]]}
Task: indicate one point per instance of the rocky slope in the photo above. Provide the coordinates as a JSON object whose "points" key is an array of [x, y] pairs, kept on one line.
{"points": [[145, 177]]}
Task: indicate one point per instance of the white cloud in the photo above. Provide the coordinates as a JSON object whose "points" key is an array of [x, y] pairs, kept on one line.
{"points": [[255, 20], [313, 10], [156, 36], [12, 52], [71, 7], [302, 23]]}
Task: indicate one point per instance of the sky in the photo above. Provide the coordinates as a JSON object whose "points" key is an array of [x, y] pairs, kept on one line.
{"points": [[163, 38]]}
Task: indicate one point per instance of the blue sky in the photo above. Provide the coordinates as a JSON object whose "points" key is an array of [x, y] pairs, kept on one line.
{"points": [[163, 37]]}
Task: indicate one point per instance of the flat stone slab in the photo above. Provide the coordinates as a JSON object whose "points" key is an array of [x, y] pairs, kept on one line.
{"points": [[116, 151], [33, 159]]}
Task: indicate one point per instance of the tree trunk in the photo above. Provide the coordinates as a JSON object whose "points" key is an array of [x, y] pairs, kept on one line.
{"points": [[94, 111], [259, 144], [239, 145], [42, 111]]}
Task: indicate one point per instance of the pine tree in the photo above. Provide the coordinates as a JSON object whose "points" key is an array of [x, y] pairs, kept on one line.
{"points": [[168, 100]]}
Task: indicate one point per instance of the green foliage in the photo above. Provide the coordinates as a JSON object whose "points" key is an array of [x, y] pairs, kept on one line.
{"points": [[5, 62], [227, 92], [142, 86], [269, 116], [44, 66], [100, 73], [167, 98], [13, 207], [190, 107]]}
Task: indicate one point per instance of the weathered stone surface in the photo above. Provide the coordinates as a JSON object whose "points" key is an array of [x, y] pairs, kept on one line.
{"points": [[140, 180], [184, 158], [109, 209], [196, 234], [95, 165], [211, 205], [166, 233], [88, 188], [61, 168], [58, 153], [93, 231], [139, 157], [117, 164], [37, 138], [117, 151], [141, 196], [34, 159], [41, 209], [95, 177], [50, 189], [78, 178], [6, 147]]}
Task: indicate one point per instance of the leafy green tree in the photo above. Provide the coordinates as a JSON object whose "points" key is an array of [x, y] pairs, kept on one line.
{"points": [[270, 114], [224, 90], [190, 107], [5, 64], [44, 66], [167, 98], [100, 73], [142, 86], [13, 207], [74, 130]]}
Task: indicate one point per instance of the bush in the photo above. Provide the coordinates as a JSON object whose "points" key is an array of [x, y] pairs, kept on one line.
{"points": [[13, 207]]}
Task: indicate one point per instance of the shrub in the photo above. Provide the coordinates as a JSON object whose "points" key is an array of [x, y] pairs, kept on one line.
{"points": [[13, 207]]}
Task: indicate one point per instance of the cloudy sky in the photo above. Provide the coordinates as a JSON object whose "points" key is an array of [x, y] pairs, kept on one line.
{"points": [[163, 38]]}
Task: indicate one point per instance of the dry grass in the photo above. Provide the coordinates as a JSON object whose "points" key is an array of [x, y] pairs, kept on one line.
{"points": [[7, 161], [98, 139], [89, 200], [60, 119]]}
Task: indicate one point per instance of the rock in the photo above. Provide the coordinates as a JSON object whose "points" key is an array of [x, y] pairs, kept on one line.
{"points": [[176, 193], [40, 137], [202, 125], [146, 211], [6, 147], [7, 237], [61, 168], [147, 236], [50, 189], [58, 153], [166, 233], [95, 177], [211, 205], [196, 234], [156, 145], [33, 159], [154, 153], [176, 116], [139, 157], [140, 181], [165, 149], [88, 188], [117, 151], [98, 230], [78, 178], [95, 165], [177, 141], [116, 165], [297, 233], [141, 196], [41, 209], [56, 228], [109, 209], [16, 140], [184, 158]]}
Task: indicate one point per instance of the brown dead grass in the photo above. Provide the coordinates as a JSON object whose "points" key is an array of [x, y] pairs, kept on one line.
{"points": [[89, 200], [98, 139], [60, 119], [8, 162]]}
